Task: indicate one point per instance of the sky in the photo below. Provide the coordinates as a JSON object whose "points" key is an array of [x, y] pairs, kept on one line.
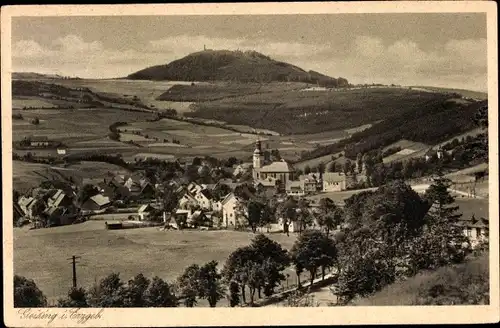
{"points": [[447, 50]]}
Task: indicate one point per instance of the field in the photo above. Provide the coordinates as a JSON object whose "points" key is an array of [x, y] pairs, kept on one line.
{"points": [[317, 111], [466, 93], [42, 254], [29, 175], [220, 90]]}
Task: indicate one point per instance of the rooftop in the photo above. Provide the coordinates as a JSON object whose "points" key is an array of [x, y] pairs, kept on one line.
{"points": [[100, 199], [334, 177], [280, 167]]}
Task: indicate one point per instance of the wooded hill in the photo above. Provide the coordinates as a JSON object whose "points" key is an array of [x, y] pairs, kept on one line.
{"points": [[237, 66], [431, 123]]}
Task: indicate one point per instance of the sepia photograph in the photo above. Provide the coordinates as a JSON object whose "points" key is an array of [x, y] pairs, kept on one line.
{"points": [[337, 157]]}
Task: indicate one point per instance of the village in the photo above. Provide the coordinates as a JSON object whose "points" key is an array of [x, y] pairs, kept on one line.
{"points": [[136, 200]]}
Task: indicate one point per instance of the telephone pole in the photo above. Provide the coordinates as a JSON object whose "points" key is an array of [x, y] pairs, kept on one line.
{"points": [[73, 260]]}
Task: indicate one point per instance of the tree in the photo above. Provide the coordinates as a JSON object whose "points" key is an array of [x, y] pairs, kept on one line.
{"points": [[77, 298], [27, 293], [288, 212], [134, 291], [232, 270], [273, 258], [312, 250], [254, 210], [188, 284], [109, 292], [443, 235], [303, 216], [321, 167], [234, 294], [220, 191], [359, 162], [307, 169], [170, 200], [210, 285], [329, 216], [160, 294], [347, 167], [86, 192]]}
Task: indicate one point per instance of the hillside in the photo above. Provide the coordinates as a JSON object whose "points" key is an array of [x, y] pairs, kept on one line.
{"points": [[466, 283], [430, 123], [316, 111], [236, 66]]}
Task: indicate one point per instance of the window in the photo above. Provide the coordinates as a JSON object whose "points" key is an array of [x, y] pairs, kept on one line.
{"points": [[231, 215], [469, 232], [478, 232]]}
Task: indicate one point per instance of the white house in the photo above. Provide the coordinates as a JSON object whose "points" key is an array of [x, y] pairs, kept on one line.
{"points": [[204, 199], [334, 181], [230, 212]]}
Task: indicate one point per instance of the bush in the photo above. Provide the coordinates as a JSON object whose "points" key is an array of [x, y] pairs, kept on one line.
{"points": [[17, 116], [35, 121]]}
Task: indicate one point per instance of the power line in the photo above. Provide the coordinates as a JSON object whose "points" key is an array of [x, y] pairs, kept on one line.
{"points": [[74, 262]]}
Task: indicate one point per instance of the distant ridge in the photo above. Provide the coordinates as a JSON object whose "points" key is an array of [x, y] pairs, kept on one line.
{"points": [[236, 66], [33, 75]]}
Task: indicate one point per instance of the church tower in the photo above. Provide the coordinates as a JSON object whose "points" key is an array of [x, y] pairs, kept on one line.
{"points": [[257, 160]]}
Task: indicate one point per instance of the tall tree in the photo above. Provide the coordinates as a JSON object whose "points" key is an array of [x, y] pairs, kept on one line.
{"points": [[160, 294], [188, 285], [329, 216], [27, 293], [210, 283], [134, 291], [312, 250], [303, 217], [109, 292], [443, 233]]}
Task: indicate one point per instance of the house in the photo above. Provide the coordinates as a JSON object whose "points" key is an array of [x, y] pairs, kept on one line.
{"points": [[30, 205], [476, 230], [295, 188], [334, 181], [194, 188], [199, 218], [96, 203], [39, 141], [59, 199], [187, 201], [112, 189], [231, 215], [61, 151], [240, 169], [204, 199], [144, 212]]}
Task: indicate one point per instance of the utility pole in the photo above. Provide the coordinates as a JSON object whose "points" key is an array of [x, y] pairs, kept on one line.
{"points": [[73, 260]]}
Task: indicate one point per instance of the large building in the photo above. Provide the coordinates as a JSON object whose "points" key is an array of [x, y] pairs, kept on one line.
{"points": [[264, 169]]}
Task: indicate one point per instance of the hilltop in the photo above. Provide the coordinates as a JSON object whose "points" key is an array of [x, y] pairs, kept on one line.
{"points": [[237, 66]]}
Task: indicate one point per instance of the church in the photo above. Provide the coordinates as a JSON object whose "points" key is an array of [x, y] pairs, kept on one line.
{"points": [[266, 171]]}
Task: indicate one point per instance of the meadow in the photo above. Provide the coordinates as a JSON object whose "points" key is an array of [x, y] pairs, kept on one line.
{"points": [[42, 254]]}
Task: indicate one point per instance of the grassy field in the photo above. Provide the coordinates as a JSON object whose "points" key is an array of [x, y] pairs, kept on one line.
{"points": [[42, 254], [466, 93], [221, 90]]}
